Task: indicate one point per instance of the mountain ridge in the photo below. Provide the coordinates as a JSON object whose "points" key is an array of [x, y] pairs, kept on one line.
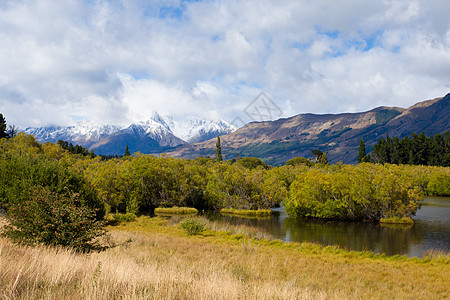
{"points": [[337, 134], [152, 135]]}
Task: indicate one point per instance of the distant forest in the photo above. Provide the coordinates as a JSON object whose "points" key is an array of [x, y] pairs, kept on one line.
{"points": [[418, 150]]}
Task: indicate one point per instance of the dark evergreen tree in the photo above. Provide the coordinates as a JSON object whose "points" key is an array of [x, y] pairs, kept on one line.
{"points": [[379, 151], [404, 151], [218, 151], [3, 127], [127, 152], [77, 149], [395, 151], [446, 157], [420, 150], [389, 150], [361, 151]]}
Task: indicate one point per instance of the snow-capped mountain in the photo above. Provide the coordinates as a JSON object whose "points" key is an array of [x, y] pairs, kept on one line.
{"points": [[85, 134], [153, 135], [200, 130], [195, 130]]}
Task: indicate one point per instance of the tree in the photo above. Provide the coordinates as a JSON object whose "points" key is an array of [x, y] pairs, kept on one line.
{"points": [[127, 151], [3, 127], [218, 151], [362, 151], [296, 161], [12, 131], [252, 163], [317, 154], [321, 157]]}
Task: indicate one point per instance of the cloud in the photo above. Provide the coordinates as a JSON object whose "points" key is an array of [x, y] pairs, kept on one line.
{"points": [[119, 61]]}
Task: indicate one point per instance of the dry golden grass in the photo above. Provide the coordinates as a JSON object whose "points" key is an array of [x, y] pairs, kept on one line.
{"points": [[161, 262]]}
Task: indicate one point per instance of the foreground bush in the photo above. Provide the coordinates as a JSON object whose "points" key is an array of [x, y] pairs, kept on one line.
{"points": [[53, 219], [24, 165], [192, 226]]}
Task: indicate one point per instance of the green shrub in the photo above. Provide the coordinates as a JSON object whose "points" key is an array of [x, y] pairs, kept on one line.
{"points": [[397, 220], [192, 226], [247, 212], [296, 161], [128, 217], [252, 163], [439, 184], [54, 219], [363, 192], [20, 173], [176, 210]]}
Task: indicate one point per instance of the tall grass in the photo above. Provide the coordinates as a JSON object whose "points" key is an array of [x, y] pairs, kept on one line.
{"points": [[161, 262], [141, 271]]}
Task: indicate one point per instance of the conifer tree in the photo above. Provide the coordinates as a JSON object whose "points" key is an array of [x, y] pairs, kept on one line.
{"points": [[127, 151], [218, 151], [362, 151], [3, 133]]}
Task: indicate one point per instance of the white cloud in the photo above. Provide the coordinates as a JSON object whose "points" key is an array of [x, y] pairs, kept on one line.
{"points": [[118, 61]]}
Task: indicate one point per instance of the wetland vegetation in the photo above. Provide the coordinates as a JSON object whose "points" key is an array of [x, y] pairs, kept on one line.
{"points": [[56, 204]]}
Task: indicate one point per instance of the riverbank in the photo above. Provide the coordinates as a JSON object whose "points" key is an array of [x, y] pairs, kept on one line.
{"points": [[162, 262]]}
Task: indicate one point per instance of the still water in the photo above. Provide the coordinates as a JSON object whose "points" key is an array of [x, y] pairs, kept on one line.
{"points": [[431, 230]]}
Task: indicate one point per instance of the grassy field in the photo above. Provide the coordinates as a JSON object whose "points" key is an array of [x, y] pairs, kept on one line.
{"points": [[224, 262]]}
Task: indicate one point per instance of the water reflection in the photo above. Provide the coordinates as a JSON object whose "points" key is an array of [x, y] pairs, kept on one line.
{"points": [[430, 231]]}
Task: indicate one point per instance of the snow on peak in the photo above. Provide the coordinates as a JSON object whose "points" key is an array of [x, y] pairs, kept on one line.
{"points": [[191, 131], [157, 126], [198, 130], [84, 133]]}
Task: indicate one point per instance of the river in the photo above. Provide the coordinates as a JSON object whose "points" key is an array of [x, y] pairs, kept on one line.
{"points": [[431, 230]]}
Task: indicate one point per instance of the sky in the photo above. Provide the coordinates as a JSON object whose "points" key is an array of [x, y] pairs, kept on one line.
{"points": [[118, 61]]}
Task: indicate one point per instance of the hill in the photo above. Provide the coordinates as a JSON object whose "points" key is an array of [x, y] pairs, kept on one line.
{"points": [[336, 134]]}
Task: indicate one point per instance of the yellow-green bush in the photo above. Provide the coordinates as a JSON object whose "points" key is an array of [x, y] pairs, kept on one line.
{"points": [[176, 210], [363, 192]]}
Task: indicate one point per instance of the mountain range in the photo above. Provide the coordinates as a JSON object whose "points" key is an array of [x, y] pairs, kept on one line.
{"points": [[273, 141], [156, 134], [336, 134]]}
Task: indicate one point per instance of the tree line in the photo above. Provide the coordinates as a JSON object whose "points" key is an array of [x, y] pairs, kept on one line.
{"points": [[77, 149], [417, 150]]}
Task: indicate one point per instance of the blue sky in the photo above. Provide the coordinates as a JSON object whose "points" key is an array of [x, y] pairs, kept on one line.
{"points": [[118, 61]]}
